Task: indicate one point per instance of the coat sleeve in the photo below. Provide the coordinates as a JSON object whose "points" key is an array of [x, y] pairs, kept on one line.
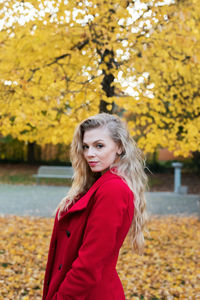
{"points": [[99, 241]]}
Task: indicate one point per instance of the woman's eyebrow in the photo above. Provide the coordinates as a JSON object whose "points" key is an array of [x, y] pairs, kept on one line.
{"points": [[96, 141]]}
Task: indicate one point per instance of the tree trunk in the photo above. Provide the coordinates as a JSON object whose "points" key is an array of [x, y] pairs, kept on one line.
{"points": [[196, 160], [103, 107], [31, 153], [107, 81]]}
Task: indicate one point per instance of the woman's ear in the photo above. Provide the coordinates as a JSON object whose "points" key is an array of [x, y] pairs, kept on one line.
{"points": [[119, 151]]}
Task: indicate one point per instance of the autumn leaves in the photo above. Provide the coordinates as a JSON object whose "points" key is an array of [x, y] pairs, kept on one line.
{"points": [[169, 268]]}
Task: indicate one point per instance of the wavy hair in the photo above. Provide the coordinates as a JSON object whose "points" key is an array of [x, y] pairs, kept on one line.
{"points": [[130, 167]]}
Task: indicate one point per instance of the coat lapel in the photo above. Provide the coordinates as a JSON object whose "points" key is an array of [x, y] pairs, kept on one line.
{"points": [[83, 201]]}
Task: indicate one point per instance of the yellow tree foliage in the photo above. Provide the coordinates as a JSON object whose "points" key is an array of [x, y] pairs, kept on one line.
{"points": [[61, 64], [71, 59], [168, 109]]}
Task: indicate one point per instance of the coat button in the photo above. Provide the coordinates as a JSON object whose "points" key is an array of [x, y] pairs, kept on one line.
{"points": [[60, 266], [68, 233]]}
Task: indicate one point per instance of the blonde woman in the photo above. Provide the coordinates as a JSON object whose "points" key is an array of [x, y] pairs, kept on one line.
{"points": [[105, 202]]}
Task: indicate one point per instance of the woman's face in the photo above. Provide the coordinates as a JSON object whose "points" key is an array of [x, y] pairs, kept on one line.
{"points": [[99, 149]]}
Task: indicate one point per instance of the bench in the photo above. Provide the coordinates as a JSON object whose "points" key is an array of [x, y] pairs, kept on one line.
{"points": [[53, 172]]}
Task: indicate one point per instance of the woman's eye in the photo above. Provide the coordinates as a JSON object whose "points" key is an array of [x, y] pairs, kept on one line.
{"points": [[99, 146], [85, 147]]}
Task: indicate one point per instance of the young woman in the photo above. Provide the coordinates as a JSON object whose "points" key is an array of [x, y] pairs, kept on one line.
{"points": [[105, 202]]}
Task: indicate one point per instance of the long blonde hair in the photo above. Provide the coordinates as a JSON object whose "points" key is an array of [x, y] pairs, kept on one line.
{"points": [[130, 167]]}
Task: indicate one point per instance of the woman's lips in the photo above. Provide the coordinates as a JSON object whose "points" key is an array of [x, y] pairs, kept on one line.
{"points": [[92, 163]]}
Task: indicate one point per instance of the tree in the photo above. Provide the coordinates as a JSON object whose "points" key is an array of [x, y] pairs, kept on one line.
{"points": [[62, 65], [66, 63], [168, 110]]}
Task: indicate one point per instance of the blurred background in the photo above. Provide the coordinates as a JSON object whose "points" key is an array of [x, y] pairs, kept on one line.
{"points": [[62, 61]]}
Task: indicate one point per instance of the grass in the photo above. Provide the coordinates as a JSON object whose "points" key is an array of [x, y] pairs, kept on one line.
{"points": [[155, 182], [22, 174], [29, 180]]}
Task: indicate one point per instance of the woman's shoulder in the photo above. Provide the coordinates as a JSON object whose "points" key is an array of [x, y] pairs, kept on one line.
{"points": [[113, 184], [114, 177]]}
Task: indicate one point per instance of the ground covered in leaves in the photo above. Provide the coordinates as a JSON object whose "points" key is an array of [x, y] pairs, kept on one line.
{"points": [[169, 268]]}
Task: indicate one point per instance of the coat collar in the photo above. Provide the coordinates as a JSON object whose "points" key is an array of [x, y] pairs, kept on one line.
{"points": [[83, 201]]}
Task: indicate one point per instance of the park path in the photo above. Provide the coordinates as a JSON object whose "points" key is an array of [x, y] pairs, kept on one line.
{"points": [[41, 200]]}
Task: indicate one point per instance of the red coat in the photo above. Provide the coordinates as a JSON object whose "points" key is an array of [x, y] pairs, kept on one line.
{"points": [[85, 244]]}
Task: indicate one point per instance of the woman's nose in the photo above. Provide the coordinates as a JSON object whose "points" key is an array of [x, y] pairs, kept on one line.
{"points": [[90, 152]]}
